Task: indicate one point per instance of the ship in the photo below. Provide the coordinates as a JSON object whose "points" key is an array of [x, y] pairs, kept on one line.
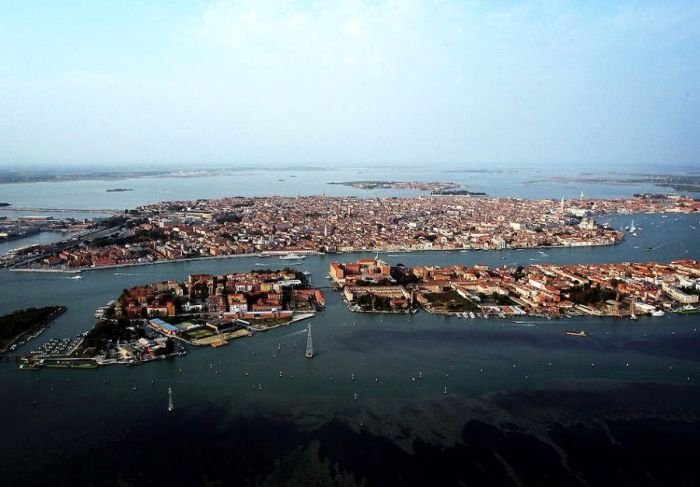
{"points": [[658, 312], [292, 256], [581, 333], [688, 310]]}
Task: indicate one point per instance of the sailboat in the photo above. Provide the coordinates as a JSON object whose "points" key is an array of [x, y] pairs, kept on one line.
{"points": [[171, 405], [633, 316], [633, 229], [309, 343]]}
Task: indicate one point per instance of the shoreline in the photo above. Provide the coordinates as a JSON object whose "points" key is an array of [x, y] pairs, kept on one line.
{"points": [[35, 330], [268, 254]]}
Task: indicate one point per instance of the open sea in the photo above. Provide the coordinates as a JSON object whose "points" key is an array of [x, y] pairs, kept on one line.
{"points": [[525, 403]]}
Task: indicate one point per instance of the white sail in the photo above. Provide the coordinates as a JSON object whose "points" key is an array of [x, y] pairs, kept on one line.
{"points": [[309, 343]]}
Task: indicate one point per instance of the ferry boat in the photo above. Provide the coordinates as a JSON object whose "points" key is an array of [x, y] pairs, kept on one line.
{"points": [[688, 310], [581, 333], [292, 256]]}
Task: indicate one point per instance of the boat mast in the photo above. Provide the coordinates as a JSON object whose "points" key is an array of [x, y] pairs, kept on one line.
{"points": [[309, 343]]}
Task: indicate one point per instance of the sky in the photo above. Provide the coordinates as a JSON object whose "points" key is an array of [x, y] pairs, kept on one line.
{"points": [[457, 83]]}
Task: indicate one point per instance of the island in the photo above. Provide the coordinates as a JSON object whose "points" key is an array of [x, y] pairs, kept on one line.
{"points": [[457, 192], [405, 185], [19, 327], [686, 183], [622, 290], [119, 190], [307, 225], [160, 320]]}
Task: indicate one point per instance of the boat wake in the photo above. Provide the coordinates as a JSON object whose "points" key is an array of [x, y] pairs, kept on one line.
{"points": [[526, 324], [294, 333]]}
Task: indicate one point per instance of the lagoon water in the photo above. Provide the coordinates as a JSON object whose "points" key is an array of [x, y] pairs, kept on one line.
{"points": [[525, 403], [526, 182]]}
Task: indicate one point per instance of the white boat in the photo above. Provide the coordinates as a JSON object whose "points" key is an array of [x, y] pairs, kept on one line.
{"points": [[658, 312], [633, 229], [171, 405], [292, 256], [633, 315]]}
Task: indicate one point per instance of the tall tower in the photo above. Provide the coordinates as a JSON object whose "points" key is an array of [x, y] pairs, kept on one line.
{"points": [[309, 343]]}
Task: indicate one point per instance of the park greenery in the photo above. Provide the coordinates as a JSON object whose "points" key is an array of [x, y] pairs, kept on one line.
{"points": [[452, 301], [587, 294]]}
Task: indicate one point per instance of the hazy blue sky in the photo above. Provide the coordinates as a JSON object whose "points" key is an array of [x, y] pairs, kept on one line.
{"points": [[463, 82]]}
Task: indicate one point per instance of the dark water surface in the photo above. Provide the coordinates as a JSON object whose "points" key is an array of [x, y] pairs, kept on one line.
{"points": [[526, 404]]}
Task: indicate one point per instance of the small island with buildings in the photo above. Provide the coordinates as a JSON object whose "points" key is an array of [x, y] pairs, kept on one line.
{"points": [[623, 290], [159, 320], [402, 185]]}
